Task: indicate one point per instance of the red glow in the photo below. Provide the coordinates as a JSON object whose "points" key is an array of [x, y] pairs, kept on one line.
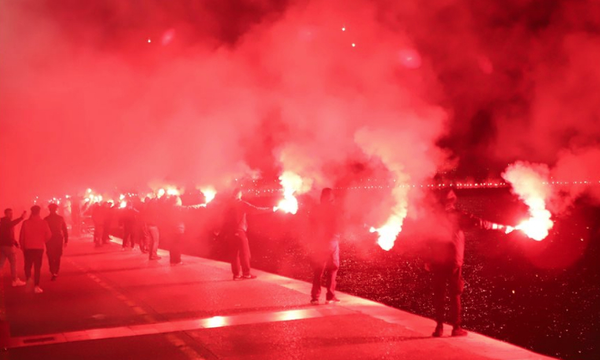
{"points": [[410, 58], [168, 37]]}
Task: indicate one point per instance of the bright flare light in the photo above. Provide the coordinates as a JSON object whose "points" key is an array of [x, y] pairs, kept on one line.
{"points": [[172, 191], [289, 204], [537, 226], [528, 182], [292, 184], [209, 194], [388, 232], [123, 204]]}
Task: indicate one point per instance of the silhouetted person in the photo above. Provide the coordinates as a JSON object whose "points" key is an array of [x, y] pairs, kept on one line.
{"points": [[35, 233], [325, 252], [150, 216], [108, 221], [235, 228], [59, 240], [447, 260], [76, 216], [98, 217], [175, 228], [8, 243], [129, 218]]}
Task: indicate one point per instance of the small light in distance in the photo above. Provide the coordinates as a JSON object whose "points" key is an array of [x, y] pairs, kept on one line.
{"points": [[353, 45], [410, 58], [149, 41]]}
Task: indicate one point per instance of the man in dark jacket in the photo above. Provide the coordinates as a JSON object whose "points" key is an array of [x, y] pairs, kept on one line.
{"points": [[110, 209], [8, 243], [129, 219], [447, 257], [150, 217], [59, 239], [235, 228], [98, 216], [325, 252], [35, 233]]}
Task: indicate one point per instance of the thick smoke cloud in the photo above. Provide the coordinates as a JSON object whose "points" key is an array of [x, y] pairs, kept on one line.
{"points": [[108, 93]]}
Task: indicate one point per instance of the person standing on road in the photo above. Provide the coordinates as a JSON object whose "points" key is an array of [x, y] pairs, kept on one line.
{"points": [[110, 209], [446, 260], [129, 219], [35, 233], [8, 243], [98, 216], [325, 252], [59, 240], [174, 227], [235, 230], [150, 217]]}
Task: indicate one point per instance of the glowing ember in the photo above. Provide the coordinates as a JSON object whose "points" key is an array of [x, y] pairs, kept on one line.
{"points": [[528, 183]]}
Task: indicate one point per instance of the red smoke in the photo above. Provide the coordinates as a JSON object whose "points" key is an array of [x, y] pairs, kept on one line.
{"points": [[265, 86]]}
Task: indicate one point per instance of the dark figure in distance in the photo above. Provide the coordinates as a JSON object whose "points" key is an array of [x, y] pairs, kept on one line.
{"points": [[35, 233], [98, 217], [175, 228], [325, 252], [76, 216], [8, 243], [150, 218], [234, 229], [59, 240], [129, 218], [108, 221], [447, 255]]}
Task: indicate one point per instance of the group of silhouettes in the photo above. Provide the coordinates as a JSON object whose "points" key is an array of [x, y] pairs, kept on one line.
{"points": [[37, 235], [145, 222]]}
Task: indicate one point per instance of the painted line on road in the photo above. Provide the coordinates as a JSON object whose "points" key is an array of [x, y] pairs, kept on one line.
{"points": [[177, 326]]}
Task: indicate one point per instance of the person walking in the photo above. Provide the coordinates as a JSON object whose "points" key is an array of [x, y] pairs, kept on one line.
{"points": [[8, 243], [325, 252], [34, 235], [58, 241]]}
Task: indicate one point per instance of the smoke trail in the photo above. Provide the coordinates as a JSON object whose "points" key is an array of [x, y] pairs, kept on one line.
{"points": [[530, 183]]}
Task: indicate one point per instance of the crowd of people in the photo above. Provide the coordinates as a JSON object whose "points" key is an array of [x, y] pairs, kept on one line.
{"points": [[147, 223], [37, 235]]}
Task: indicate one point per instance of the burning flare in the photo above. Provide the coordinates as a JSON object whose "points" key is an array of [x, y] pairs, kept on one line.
{"points": [[292, 183], [167, 190], [393, 226], [209, 194], [528, 181], [388, 232]]}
